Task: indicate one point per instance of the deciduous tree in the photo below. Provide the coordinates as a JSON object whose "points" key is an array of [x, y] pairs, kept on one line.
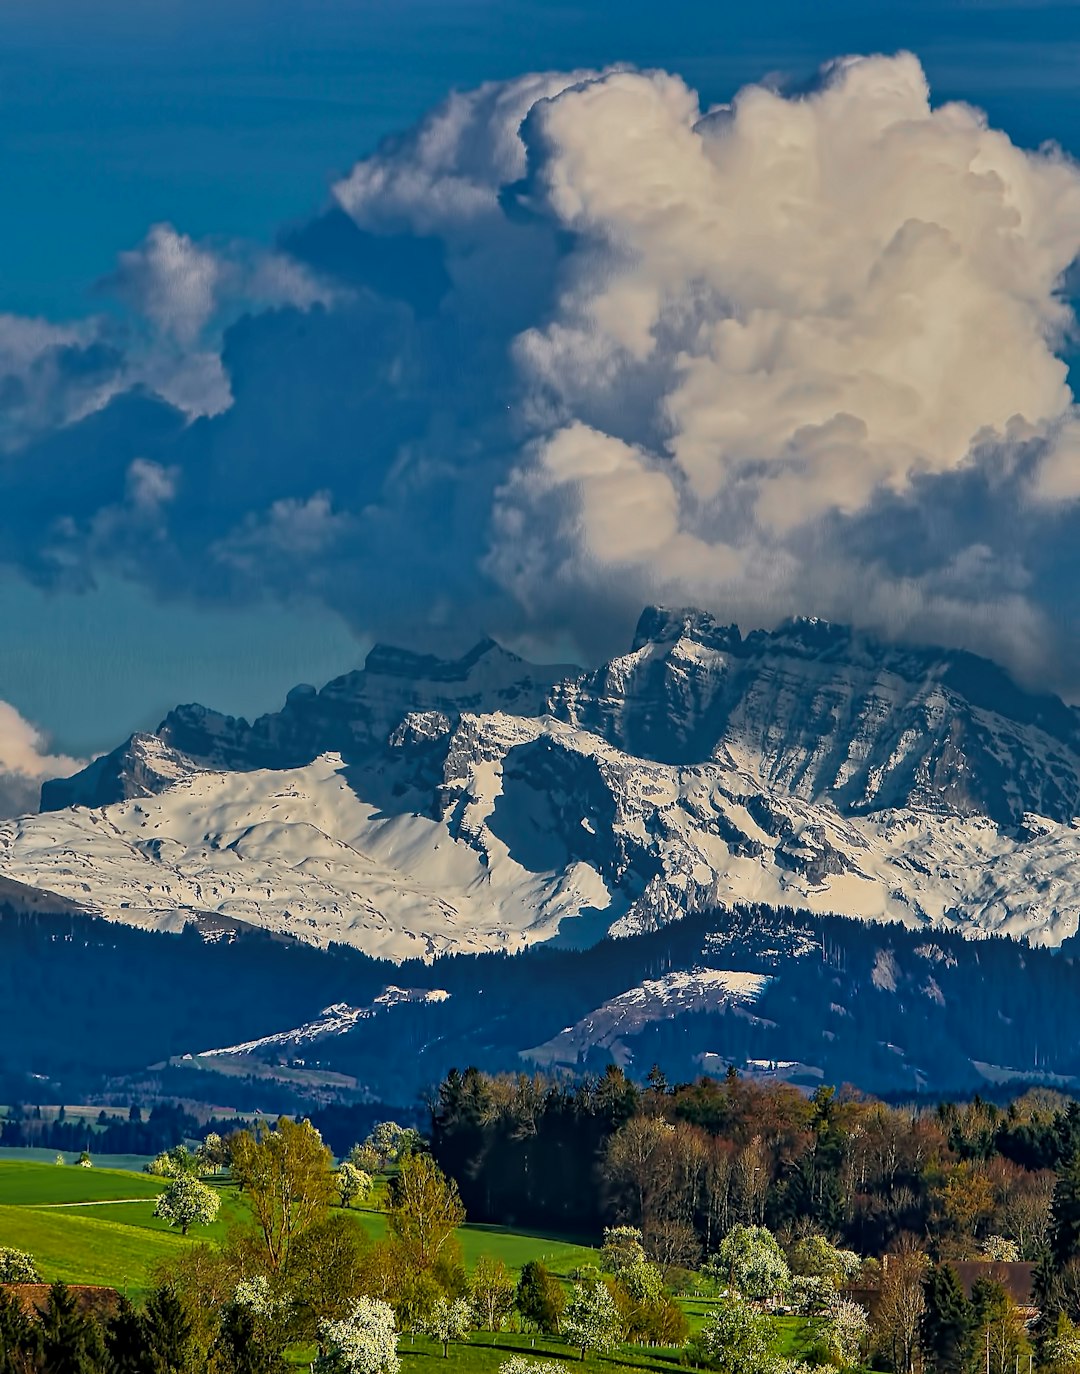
{"points": [[286, 1176], [186, 1202], [424, 1210]]}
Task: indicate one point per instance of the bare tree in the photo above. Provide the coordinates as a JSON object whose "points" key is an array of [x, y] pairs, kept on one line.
{"points": [[900, 1306]]}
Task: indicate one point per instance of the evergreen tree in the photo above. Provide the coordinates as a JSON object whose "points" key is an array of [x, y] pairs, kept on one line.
{"points": [[170, 1332], [70, 1340], [947, 1325], [20, 1337], [1065, 1212], [540, 1298], [126, 1350], [240, 1347]]}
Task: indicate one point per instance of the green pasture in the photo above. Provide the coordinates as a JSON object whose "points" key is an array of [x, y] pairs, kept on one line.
{"points": [[25, 1184], [96, 1226]]}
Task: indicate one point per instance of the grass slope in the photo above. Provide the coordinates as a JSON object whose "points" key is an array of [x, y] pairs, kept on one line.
{"points": [[112, 1240], [35, 1185], [80, 1249]]}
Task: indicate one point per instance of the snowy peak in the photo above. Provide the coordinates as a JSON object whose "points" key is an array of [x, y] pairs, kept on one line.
{"points": [[825, 714], [142, 766], [419, 805], [352, 715]]}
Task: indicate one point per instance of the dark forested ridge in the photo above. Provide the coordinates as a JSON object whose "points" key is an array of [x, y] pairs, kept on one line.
{"points": [[686, 1162], [894, 1011]]}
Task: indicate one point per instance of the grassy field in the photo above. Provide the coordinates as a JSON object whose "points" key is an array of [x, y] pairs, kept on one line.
{"points": [[34, 1185], [97, 1226], [24, 1154]]}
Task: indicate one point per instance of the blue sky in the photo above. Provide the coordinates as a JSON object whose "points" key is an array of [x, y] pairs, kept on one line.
{"points": [[230, 119]]}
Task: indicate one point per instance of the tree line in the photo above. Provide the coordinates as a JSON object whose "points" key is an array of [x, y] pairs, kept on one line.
{"points": [[686, 1162]]}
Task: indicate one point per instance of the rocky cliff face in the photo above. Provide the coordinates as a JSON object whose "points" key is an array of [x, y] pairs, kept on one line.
{"points": [[818, 712], [419, 806]]}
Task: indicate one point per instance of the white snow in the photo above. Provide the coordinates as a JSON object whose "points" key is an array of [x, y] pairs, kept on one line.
{"points": [[656, 999]]}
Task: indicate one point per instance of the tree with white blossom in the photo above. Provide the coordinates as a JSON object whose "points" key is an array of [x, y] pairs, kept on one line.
{"points": [[352, 1183], [186, 1202], [591, 1320], [17, 1266], [449, 1320], [521, 1364], [846, 1332], [737, 1339], [750, 1260], [364, 1342]]}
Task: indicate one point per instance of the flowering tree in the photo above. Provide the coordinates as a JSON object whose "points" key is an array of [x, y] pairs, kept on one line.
{"points": [[591, 1320], [187, 1202], [846, 1331], [352, 1183], [365, 1157], [212, 1154], [816, 1257], [17, 1266], [1001, 1249], [172, 1163], [521, 1364], [391, 1143], [750, 1261], [256, 1295], [364, 1342], [84, 1161], [448, 1321], [623, 1248], [737, 1339]]}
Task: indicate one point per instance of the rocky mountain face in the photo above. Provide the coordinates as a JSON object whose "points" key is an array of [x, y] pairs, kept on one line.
{"points": [[817, 712], [418, 807], [351, 716]]}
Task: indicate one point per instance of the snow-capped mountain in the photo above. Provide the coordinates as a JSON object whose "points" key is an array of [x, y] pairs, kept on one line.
{"points": [[419, 807]]}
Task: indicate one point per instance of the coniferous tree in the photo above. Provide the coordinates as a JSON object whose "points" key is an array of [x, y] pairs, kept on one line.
{"points": [[126, 1350], [169, 1331], [71, 1341], [20, 1337], [1065, 1211], [947, 1324]]}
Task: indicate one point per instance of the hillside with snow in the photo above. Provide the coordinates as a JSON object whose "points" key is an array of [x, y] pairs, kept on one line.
{"points": [[419, 808]]}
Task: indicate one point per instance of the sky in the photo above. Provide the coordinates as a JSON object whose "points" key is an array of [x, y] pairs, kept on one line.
{"points": [[298, 350]]}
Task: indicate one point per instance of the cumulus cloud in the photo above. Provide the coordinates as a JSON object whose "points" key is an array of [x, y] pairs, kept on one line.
{"points": [[822, 298], [25, 763], [574, 343]]}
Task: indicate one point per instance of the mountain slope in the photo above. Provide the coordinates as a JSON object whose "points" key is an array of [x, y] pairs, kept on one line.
{"points": [[417, 807]]}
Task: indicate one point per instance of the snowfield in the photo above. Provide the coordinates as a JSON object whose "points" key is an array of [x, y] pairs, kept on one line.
{"points": [[475, 806]]}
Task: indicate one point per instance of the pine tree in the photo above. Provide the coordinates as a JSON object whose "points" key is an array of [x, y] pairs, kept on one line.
{"points": [[20, 1337], [169, 1330], [1065, 1212], [947, 1325], [71, 1342], [126, 1348]]}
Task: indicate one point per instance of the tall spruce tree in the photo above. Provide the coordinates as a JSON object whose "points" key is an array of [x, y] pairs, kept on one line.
{"points": [[71, 1340], [126, 1349], [947, 1324], [20, 1336], [170, 1332], [1065, 1212]]}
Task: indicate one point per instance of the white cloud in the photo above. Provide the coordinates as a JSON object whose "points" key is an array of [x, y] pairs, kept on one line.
{"points": [[172, 281], [447, 172], [25, 762], [816, 300]]}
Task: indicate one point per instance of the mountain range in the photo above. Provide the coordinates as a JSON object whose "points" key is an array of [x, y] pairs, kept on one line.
{"points": [[420, 808]]}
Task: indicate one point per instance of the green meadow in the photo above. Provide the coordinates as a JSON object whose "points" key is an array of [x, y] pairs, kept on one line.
{"points": [[97, 1226]]}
